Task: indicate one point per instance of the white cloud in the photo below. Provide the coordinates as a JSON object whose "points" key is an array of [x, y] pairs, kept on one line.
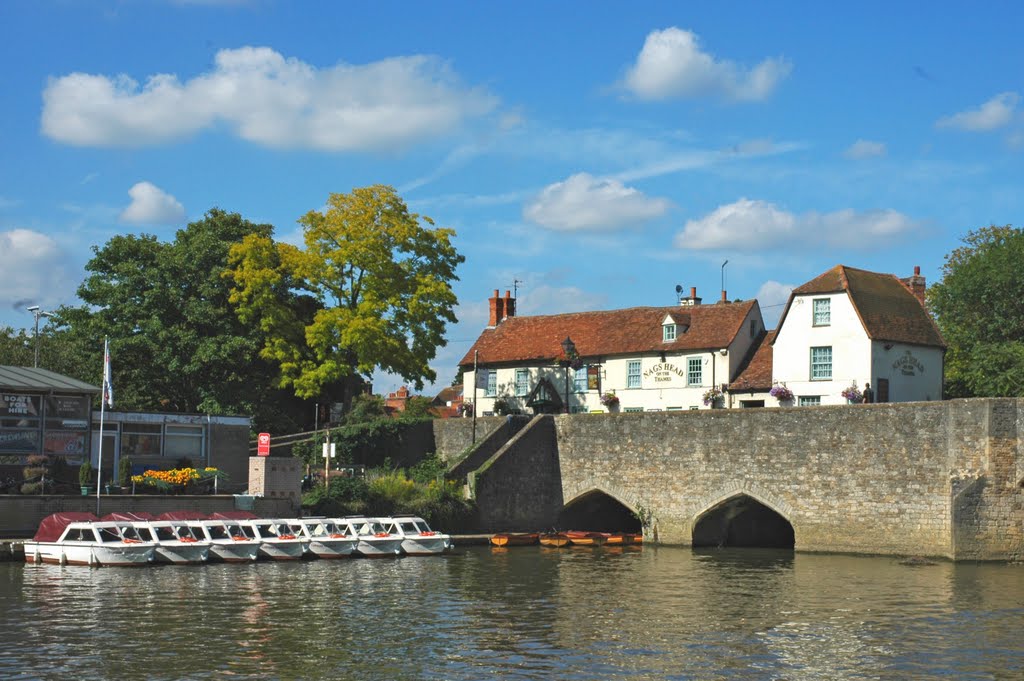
{"points": [[862, 149], [268, 99], [34, 270], [772, 297], [672, 64], [993, 114], [584, 202], [151, 205], [753, 225]]}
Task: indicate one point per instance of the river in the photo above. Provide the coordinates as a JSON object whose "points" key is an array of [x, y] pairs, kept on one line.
{"points": [[520, 613]]}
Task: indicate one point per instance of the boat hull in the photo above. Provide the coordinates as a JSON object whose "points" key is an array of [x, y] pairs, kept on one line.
{"points": [[333, 548], [94, 555], [281, 549], [234, 551], [556, 540], [516, 539], [182, 553], [374, 547], [425, 546]]}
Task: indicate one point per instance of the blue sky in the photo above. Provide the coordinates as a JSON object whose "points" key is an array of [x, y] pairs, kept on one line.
{"points": [[593, 154]]}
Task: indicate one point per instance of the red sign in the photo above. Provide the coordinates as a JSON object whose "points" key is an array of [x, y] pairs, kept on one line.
{"points": [[263, 444]]}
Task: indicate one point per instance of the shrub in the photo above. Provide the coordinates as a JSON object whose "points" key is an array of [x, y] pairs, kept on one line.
{"points": [[85, 473]]}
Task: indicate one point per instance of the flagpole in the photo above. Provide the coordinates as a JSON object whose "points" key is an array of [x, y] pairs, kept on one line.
{"points": [[103, 407], [476, 381]]}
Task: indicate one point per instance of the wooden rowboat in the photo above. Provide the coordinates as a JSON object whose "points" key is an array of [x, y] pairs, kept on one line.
{"points": [[582, 538], [557, 539], [624, 538], [514, 538]]}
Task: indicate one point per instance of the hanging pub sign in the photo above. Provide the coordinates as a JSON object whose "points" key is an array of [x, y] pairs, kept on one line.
{"points": [[12, 404], [593, 377]]}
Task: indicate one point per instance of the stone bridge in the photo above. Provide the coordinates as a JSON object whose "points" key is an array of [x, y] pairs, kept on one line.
{"points": [[931, 478]]}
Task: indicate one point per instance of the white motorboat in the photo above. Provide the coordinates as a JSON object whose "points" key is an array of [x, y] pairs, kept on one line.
{"points": [[417, 537], [176, 542], [230, 542], [328, 538], [375, 541], [75, 539], [278, 539]]}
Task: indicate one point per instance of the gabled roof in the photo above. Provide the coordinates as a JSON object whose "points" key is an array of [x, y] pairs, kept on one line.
{"points": [[634, 330], [887, 309], [756, 374], [42, 380]]}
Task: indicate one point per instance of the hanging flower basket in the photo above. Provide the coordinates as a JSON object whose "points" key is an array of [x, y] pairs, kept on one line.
{"points": [[610, 400], [852, 394], [712, 395], [781, 393]]}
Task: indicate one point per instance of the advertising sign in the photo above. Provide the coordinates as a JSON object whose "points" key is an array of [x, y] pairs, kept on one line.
{"points": [[19, 405], [263, 444]]}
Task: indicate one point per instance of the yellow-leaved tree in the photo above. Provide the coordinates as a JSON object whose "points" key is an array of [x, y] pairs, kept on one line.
{"points": [[371, 288]]}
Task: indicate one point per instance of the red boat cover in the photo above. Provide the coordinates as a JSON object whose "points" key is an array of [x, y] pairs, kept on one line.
{"points": [[128, 516], [52, 526], [234, 515], [182, 515]]}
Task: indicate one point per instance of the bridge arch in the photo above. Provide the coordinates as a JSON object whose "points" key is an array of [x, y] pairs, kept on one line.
{"points": [[598, 510], [744, 517]]}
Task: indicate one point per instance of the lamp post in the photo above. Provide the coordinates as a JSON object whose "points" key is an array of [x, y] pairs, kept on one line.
{"points": [[37, 313], [569, 348]]}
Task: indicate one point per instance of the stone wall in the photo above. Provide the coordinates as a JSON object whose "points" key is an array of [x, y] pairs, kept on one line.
{"points": [[453, 437], [277, 477], [20, 514], [927, 478]]}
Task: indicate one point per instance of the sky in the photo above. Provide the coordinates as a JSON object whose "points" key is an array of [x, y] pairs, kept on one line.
{"points": [[589, 155]]}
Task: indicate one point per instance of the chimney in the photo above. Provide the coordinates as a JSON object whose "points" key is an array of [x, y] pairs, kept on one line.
{"points": [[510, 305], [725, 297], [916, 284], [497, 310], [692, 301]]}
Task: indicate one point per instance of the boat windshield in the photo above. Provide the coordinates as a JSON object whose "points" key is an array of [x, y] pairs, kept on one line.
{"points": [[109, 534], [132, 532], [218, 532], [165, 533], [409, 527]]}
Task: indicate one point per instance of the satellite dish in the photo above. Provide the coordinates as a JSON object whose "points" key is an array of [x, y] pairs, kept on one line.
{"points": [[679, 288]]}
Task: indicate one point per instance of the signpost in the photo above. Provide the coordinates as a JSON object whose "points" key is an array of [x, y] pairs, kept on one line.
{"points": [[328, 455], [263, 444]]}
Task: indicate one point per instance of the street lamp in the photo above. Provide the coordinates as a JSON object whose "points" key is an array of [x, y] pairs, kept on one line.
{"points": [[569, 349], [37, 313]]}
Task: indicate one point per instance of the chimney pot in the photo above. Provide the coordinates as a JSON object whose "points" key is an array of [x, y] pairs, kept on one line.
{"points": [[917, 270], [725, 298], [693, 291], [497, 310]]}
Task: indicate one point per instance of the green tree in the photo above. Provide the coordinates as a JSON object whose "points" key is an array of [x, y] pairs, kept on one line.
{"points": [[979, 307], [176, 342], [380, 277]]}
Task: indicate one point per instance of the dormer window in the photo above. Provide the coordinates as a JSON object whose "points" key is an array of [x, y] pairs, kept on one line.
{"points": [[668, 333], [674, 325], [822, 312]]}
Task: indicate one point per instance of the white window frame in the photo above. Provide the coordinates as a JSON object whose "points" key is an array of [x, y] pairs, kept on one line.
{"points": [[633, 378], [821, 367], [492, 383], [809, 401], [822, 312], [668, 333], [522, 382], [579, 380], [692, 373]]}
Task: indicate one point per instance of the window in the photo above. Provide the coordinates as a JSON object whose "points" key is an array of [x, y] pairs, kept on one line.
{"points": [[809, 401], [821, 363], [753, 328], [629, 410], [140, 440], [522, 382], [694, 371], [633, 374], [492, 383], [580, 380], [668, 332], [184, 442], [822, 312]]}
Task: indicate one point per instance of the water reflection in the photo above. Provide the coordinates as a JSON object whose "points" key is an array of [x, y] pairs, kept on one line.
{"points": [[525, 612]]}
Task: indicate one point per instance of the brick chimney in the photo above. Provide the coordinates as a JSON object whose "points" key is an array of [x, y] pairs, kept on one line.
{"points": [[916, 283], [497, 310], [692, 301], [510, 305]]}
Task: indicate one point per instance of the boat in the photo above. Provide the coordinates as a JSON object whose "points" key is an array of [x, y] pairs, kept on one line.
{"points": [[327, 538], [230, 541], [179, 539], [417, 537], [279, 539], [375, 541], [623, 538], [515, 538], [82, 539], [556, 539], [585, 538]]}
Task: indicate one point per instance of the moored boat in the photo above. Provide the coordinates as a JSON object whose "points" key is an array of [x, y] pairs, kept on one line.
{"points": [[178, 539], [375, 541], [230, 542], [515, 538], [417, 537], [556, 539], [327, 538], [278, 539], [585, 538], [82, 539]]}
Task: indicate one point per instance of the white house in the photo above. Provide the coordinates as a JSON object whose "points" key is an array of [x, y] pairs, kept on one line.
{"points": [[848, 328], [649, 358]]}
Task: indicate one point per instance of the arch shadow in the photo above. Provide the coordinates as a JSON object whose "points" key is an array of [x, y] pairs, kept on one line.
{"points": [[742, 520], [598, 511]]}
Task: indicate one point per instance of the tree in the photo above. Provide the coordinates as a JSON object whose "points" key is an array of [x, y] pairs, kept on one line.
{"points": [[380, 284], [979, 307], [176, 342]]}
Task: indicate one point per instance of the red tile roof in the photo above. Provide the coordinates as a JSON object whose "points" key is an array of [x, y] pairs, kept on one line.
{"points": [[756, 375], [886, 307], [634, 330]]}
